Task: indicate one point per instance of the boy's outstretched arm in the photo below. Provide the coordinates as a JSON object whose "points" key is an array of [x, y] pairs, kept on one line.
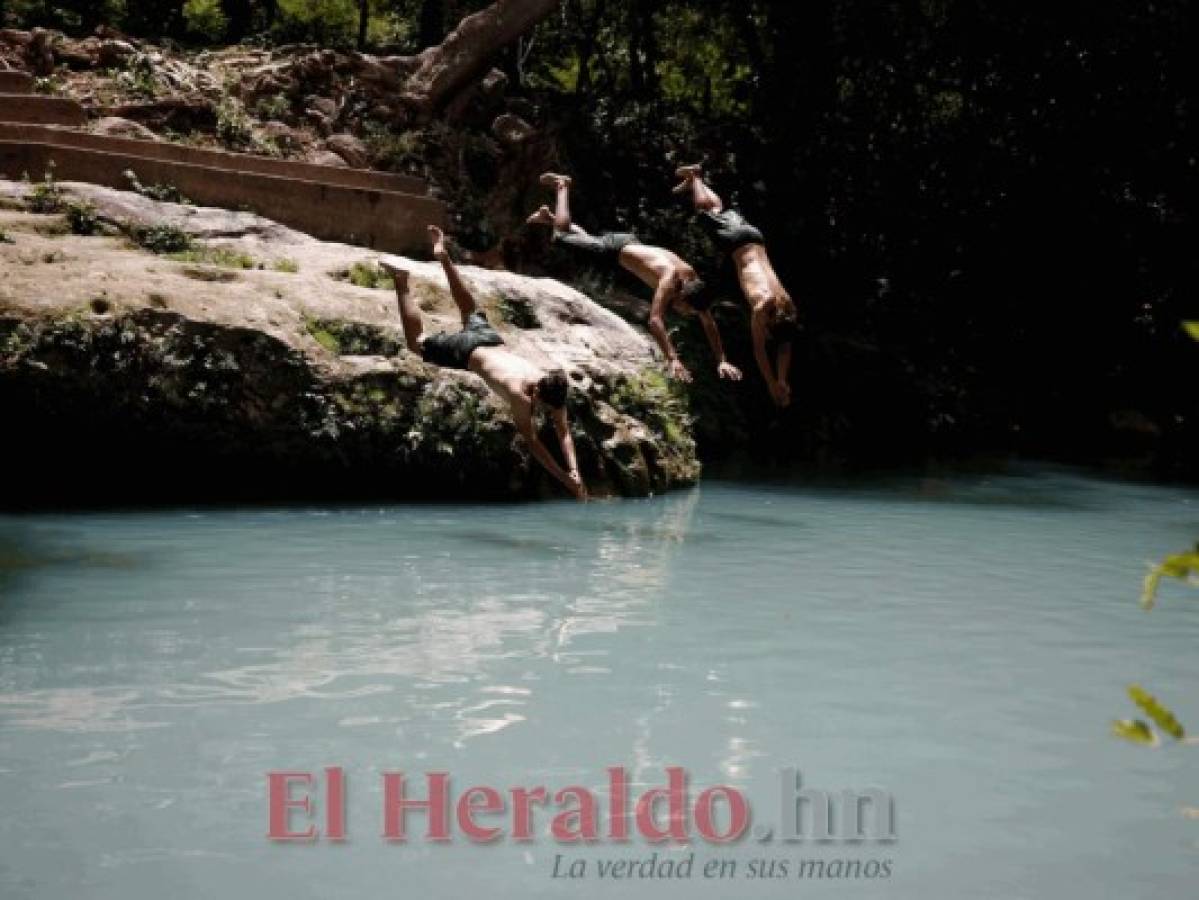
{"points": [[524, 424], [724, 368], [657, 327], [784, 371], [758, 332], [567, 443]]}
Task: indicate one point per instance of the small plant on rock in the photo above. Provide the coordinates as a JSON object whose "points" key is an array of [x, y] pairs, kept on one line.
{"points": [[368, 275], [275, 107], [163, 193], [82, 217], [233, 125], [224, 257], [139, 78], [49, 85], [46, 196], [161, 238]]}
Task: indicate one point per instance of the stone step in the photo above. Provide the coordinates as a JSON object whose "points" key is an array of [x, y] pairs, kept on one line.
{"points": [[218, 159], [39, 110], [390, 221], [13, 82]]}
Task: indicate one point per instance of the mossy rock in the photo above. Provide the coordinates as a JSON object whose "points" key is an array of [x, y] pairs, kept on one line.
{"points": [[355, 338]]}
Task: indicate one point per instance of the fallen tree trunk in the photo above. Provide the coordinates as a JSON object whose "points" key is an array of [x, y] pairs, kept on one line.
{"points": [[465, 54]]}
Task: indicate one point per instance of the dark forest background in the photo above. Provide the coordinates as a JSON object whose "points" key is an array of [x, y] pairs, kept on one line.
{"points": [[984, 207]]}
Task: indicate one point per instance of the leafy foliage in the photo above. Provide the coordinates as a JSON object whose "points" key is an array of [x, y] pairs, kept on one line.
{"points": [[657, 401], [233, 126], [1139, 731], [1183, 566], [1162, 717], [161, 238], [222, 257], [368, 275], [1134, 730], [205, 19], [347, 338]]}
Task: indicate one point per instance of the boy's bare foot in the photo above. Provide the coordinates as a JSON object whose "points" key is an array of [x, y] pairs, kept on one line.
{"points": [[437, 236], [687, 174], [552, 179], [543, 216]]}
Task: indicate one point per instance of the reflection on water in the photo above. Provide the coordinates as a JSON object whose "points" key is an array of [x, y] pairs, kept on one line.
{"points": [[440, 637], [962, 642]]}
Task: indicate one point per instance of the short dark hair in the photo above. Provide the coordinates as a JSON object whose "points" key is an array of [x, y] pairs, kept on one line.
{"points": [[697, 295], [552, 388]]}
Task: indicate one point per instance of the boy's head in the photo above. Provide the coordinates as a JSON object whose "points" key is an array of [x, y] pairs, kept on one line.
{"points": [[694, 297], [552, 389]]}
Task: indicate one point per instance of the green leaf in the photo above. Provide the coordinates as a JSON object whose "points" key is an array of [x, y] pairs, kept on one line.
{"points": [[1178, 565], [1162, 717], [1192, 328], [1134, 730]]}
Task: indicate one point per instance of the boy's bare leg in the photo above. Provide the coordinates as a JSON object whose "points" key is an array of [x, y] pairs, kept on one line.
{"points": [[458, 289], [410, 314], [561, 185], [703, 197]]}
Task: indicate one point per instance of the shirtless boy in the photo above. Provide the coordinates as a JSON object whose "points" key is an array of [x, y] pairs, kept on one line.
{"points": [[772, 311], [675, 284], [479, 348]]}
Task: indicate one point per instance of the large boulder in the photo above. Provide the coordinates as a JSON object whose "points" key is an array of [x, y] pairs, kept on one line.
{"points": [[252, 364]]}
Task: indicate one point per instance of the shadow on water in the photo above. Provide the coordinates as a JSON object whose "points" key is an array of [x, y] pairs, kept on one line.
{"points": [[1009, 485], [476, 536], [24, 554], [757, 520]]}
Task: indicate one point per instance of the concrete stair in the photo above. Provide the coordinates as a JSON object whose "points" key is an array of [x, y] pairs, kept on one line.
{"points": [[13, 82], [215, 159], [374, 209], [41, 110]]}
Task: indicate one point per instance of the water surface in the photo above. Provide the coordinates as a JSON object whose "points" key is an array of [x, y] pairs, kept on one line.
{"points": [[961, 643]]}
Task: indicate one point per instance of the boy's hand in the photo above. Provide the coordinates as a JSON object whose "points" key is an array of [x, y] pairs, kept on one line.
{"points": [[576, 484], [729, 371], [677, 370]]}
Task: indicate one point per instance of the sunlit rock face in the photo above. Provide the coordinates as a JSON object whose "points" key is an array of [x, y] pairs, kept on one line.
{"points": [[261, 361]]}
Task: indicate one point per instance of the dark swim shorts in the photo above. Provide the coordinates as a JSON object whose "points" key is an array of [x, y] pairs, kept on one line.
{"points": [[729, 230], [452, 351], [697, 295], [605, 246]]}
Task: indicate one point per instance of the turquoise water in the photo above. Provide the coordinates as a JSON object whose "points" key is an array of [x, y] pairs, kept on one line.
{"points": [[960, 643]]}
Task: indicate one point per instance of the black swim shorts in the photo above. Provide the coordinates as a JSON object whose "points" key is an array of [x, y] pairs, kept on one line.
{"points": [[452, 351], [605, 246], [729, 230]]}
